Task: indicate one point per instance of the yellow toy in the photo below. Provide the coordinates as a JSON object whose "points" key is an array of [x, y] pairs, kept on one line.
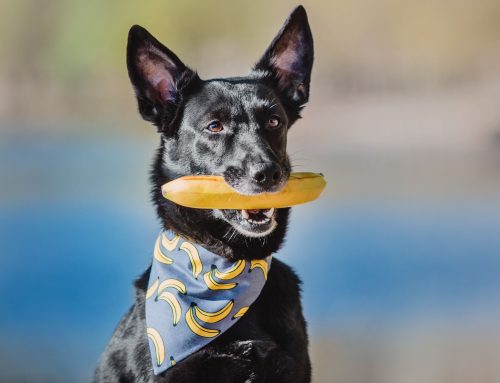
{"points": [[212, 192]]}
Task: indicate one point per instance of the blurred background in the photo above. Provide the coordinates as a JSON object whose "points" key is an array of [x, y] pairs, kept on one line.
{"points": [[400, 258]]}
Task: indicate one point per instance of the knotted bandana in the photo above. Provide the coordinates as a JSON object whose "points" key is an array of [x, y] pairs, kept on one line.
{"points": [[194, 296]]}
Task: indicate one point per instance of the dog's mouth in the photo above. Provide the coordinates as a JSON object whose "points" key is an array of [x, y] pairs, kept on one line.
{"points": [[251, 223], [258, 216]]}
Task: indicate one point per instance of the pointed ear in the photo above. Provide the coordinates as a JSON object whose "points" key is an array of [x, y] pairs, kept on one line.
{"points": [[158, 76], [289, 58]]}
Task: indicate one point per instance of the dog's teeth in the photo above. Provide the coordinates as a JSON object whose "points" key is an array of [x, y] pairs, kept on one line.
{"points": [[269, 213], [266, 218], [261, 222]]}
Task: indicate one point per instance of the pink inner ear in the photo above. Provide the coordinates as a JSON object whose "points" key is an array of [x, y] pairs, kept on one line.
{"points": [[164, 89], [287, 59], [157, 74], [285, 64]]}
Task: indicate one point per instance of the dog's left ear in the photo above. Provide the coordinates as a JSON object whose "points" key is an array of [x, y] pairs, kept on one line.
{"points": [[289, 58]]}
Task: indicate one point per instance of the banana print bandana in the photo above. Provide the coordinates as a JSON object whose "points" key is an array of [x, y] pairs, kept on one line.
{"points": [[194, 296]]}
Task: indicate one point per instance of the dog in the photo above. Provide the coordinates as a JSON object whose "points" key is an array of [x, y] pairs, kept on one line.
{"points": [[235, 128]]}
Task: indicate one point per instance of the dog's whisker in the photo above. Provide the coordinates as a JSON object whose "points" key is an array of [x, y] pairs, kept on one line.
{"points": [[235, 234], [228, 231], [274, 103]]}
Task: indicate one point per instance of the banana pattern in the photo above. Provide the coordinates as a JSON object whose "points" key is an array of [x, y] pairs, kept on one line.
{"points": [[193, 296], [232, 272], [169, 244], [212, 284], [197, 328], [159, 347], [174, 305], [241, 312], [259, 264], [152, 289], [159, 256], [173, 283], [213, 317], [194, 257]]}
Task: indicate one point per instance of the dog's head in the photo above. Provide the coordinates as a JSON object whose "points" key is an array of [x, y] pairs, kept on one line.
{"points": [[233, 127]]}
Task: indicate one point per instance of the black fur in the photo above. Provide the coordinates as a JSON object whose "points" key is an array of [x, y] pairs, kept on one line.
{"points": [[269, 344]]}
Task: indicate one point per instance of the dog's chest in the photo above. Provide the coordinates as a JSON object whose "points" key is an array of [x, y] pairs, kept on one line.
{"points": [[238, 353]]}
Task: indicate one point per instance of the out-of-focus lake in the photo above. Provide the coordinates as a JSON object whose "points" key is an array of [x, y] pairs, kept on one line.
{"points": [[76, 228]]}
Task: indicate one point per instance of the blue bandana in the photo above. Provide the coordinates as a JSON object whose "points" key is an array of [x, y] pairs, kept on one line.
{"points": [[194, 296]]}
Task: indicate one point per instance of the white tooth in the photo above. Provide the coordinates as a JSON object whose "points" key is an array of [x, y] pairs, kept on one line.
{"points": [[269, 213], [244, 214]]}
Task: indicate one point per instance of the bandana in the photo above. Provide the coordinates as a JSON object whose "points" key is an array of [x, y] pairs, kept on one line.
{"points": [[194, 296]]}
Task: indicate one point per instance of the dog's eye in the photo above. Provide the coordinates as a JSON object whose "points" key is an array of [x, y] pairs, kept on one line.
{"points": [[274, 122], [215, 126]]}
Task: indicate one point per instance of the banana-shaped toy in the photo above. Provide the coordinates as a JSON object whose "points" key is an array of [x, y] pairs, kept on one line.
{"points": [[198, 329], [212, 284], [194, 257], [232, 272], [213, 317], [259, 264], [212, 192], [174, 305], [155, 337]]}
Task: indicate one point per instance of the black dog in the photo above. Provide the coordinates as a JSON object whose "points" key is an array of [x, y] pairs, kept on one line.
{"points": [[236, 128]]}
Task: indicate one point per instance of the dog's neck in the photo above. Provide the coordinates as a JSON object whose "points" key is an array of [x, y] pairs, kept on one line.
{"points": [[214, 234]]}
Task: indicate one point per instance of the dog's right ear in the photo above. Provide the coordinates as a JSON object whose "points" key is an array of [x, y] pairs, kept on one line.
{"points": [[159, 78], [289, 58]]}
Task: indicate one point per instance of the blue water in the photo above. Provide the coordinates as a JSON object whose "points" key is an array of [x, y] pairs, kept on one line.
{"points": [[71, 247]]}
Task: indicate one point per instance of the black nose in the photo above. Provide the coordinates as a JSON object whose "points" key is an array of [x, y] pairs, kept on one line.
{"points": [[265, 174]]}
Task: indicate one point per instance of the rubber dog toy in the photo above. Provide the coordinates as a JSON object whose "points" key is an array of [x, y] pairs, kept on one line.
{"points": [[212, 192]]}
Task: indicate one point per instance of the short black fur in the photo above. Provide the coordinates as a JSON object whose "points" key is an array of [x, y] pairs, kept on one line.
{"points": [[269, 344]]}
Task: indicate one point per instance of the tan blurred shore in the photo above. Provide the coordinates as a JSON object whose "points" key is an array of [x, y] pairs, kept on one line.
{"points": [[423, 354]]}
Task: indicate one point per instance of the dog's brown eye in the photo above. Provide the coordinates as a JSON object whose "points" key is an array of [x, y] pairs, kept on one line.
{"points": [[274, 122], [215, 126]]}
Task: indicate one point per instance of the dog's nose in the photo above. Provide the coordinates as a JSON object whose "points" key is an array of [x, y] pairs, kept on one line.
{"points": [[266, 174]]}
